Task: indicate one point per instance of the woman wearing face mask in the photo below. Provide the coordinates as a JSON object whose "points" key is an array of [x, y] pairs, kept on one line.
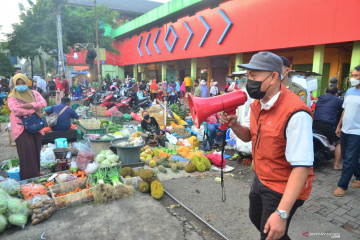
{"points": [[172, 96], [24, 102], [150, 125]]}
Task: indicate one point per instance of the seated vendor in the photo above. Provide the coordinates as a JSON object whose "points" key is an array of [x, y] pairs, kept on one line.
{"points": [[150, 125], [64, 120], [213, 126]]}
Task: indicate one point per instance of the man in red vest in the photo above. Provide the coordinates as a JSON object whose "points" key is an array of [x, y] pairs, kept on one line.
{"points": [[280, 128]]}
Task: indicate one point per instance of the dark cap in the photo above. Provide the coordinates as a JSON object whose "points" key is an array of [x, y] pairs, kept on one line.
{"points": [[264, 61], [286, 61], [333, 81]]}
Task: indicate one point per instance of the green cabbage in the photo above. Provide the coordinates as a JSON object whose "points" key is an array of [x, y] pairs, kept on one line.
{"points": [[105, 163], [3, 223], [4, 194], [103, 152], [14, 205], [3, 205], [18, 220], [109, 153], [100, 157], [11, 186], [113, 158], [106, 137]]}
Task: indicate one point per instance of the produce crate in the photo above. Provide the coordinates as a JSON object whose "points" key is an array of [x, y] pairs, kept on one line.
{"points": [[85, 130], [33, 180], [74, 198], [117, 119], [98, 111]]}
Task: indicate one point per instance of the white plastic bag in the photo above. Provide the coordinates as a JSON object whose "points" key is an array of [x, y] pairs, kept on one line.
{"points": [[91, 168], [185, 142], [172, 139], [47, 158]]}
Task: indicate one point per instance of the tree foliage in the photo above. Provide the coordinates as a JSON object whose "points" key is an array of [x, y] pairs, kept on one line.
{"points": [[37, 27], [6, 68]]}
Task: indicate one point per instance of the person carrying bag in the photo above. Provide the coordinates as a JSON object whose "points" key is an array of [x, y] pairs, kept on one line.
{"points": [[52, 119]]}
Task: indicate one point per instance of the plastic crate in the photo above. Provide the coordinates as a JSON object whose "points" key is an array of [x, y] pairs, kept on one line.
{"points": [[117, 119], [101, 130], [69, 200], [33, 180]]}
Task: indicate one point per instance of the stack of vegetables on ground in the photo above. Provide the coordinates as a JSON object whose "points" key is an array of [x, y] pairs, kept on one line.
{"points": [[107, 158], [197, 163], [113, 127], [109, 185], [150, 182], [12, 209]]}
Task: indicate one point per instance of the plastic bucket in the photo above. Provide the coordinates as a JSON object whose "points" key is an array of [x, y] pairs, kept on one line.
{"points": [[98, 145], [14, 173], [61, 143], [229, 140], [128, 154]]}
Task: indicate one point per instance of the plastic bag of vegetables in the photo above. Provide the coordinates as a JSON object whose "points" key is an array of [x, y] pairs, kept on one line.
{"points": [[11, 186], [41, 208], [18, 220], [3, 223], [83, 159], [30, 190], [91, 168], [16, 206]]}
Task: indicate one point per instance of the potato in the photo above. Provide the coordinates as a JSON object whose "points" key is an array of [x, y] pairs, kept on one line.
{"points": [[35, 221]]}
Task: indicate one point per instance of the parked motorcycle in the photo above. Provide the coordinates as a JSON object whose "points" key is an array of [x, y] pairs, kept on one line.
{"points": [[131, 103], [92, 97]]}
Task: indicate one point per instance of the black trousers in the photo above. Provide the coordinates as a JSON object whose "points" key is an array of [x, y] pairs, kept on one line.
{"points": [[263, 203]]}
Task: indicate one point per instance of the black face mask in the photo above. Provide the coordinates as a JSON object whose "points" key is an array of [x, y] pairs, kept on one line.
{"points": [[146, 117], [253, 88]]}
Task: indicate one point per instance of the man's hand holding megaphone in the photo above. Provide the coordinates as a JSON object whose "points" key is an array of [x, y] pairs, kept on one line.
{"points": [[240, 131]]}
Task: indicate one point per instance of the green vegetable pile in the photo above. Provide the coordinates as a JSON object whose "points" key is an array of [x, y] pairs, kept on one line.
{"points": [[106, 158], [12, 209], [106, 176], [180, 111], [4, 118], [6, 165], [113, 127], [169, 151]]}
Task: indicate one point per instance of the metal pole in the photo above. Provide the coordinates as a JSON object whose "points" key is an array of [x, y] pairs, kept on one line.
{"points": [[97, 48], [195, 215], [60, 44]]}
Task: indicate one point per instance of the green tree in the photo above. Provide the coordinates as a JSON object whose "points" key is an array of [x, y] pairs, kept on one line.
{"points": [[6, 68], [37, 28]]}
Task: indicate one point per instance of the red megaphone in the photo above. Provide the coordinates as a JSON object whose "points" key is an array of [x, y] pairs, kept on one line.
{"points": [[202, 108]]}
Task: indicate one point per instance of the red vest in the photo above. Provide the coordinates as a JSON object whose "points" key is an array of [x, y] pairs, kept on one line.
{"points": [[267, 129]]}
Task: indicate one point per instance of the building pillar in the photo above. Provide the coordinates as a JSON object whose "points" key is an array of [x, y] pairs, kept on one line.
{"points": [[121, 72], [239, 59], [318, 63], [163, 71], [135, 71], [355, 56], [193, 70]]}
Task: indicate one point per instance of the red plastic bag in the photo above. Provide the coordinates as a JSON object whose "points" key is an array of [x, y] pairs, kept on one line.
{"points": [[215, 158], [83, 159], [113, 112], [136, 117]]}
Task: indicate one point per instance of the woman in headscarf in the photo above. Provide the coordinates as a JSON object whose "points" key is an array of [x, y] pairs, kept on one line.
{"points": [[204, 89], [154, 89], [59, 91], [182, 89], [23, 102], [214, 90]]}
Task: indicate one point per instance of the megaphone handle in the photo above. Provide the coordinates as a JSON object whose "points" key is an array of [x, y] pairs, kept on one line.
{"points": [[223, 127]]}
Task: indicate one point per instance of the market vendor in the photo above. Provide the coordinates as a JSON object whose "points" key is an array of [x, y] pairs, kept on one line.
{"points": [[150, 125], [65, 115]]}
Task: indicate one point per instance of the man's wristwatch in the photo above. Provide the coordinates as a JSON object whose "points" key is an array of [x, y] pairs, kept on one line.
{"points": [[282, 214]]}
